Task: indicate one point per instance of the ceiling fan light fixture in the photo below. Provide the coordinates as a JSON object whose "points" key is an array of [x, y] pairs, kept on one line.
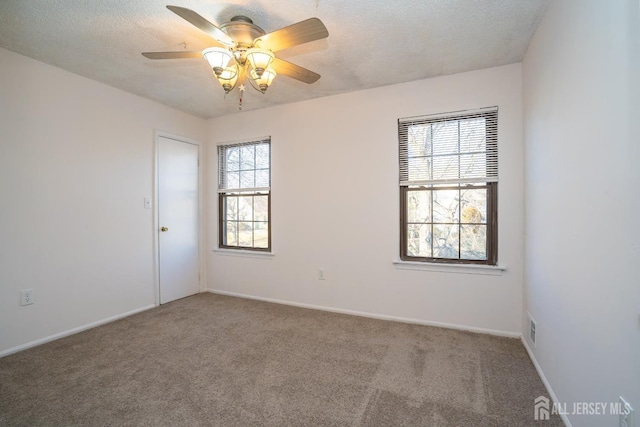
{"points": [[218, 58], [260, 59], [263, 82], [228, 78], [228, 85]]}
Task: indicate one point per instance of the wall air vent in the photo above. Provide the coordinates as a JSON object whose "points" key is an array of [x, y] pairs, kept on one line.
{"points": [[532, 330]]}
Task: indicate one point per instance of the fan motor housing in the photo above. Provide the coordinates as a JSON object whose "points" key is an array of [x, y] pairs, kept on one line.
{"points": [[242, 30]]}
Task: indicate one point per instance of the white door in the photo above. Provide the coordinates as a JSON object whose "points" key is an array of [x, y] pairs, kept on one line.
{"points": [[177, 219]]}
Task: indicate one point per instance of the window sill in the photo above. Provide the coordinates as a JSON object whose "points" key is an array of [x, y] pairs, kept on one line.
{"points": [[492, 270], [243, 253]]}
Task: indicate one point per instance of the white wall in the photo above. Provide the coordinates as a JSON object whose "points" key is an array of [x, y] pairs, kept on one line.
{"points": [[582, 201], [335, 205], [76, 160]]}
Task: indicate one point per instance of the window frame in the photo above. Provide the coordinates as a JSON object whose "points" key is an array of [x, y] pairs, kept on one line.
{"points": [[222, 220], [491, 144], [492, 226], [224, 194]]}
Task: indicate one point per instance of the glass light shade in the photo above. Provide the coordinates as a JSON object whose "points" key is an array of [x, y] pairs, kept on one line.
{"points": [[218, 58], [259, 59], [229, 73], [264, 81], [228, 78]]}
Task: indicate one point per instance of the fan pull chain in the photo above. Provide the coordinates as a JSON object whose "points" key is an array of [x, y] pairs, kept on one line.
{"points": [[241, 95]]}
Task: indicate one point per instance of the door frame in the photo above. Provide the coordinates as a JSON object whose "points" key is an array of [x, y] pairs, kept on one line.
{"points": [[156, 213]]}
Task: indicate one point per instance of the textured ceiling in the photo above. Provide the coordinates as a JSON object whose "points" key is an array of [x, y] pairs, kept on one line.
{"points": [[371, 43]]}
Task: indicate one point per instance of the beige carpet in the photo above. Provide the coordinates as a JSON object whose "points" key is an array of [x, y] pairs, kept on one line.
{"points": [[211, 360]]}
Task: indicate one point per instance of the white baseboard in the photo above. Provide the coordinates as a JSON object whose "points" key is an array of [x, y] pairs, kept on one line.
{"points": [[372, 315], [73, 331], [553, 396]]}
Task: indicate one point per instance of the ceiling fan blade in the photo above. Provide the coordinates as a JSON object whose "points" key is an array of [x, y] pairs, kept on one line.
{"points": [[200, 22], [293, 35], [172, 55], [294, 71]]}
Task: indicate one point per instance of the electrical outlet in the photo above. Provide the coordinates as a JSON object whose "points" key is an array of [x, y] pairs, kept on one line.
{"points": [[321, 274], [26, 297], [626, 413]]}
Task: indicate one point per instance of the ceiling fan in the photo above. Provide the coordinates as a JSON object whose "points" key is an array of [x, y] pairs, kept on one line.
{"points": [[243, 51]]}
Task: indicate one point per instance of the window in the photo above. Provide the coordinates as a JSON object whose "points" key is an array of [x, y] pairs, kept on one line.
{"points": [[449, 187], [244, 195]]}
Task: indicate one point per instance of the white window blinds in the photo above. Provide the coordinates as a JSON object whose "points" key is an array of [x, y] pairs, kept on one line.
{"points": [[453, 148], [244, 167]]}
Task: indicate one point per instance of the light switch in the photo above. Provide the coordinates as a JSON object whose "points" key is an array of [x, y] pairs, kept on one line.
{"points": [[147, 202]]}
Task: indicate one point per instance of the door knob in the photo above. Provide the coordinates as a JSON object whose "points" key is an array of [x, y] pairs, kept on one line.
{"points": [[164, 229]]}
